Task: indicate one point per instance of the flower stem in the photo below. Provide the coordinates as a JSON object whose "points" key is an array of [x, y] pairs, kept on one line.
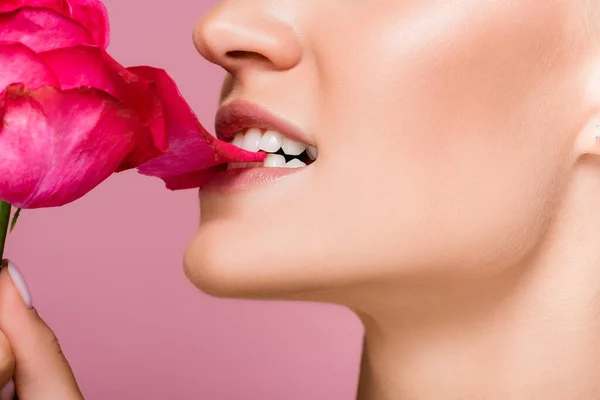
{"points": [[4, 221]]}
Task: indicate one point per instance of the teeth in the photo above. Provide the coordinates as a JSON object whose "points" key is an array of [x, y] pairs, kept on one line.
{"points": [[238, 139], [274, 161], [251, 140], [254, 140], [292, 148], [271, 141], [295, 163]]}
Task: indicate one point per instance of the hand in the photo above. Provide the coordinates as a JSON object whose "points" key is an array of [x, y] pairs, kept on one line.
{"points": [[30, 356]]}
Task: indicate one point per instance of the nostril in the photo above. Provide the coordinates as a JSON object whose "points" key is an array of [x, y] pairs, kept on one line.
{"points": [[246, 55], [236, 53]]}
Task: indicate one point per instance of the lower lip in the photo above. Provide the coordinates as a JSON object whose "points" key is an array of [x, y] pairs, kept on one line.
{"points": [[245, 178]]}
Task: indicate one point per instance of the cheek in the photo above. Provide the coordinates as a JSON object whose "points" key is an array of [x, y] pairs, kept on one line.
{"points": [[451, 140], [418, 214]]}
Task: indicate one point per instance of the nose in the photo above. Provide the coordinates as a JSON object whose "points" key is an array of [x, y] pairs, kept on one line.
{"points": [[239, 35]]}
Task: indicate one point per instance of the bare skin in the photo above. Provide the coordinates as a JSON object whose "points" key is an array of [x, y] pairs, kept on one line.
{"points": [[454, 204]]}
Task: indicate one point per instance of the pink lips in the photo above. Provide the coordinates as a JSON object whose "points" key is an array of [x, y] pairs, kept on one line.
{"points": [[239, 179], [240, 115], [236, 117]]}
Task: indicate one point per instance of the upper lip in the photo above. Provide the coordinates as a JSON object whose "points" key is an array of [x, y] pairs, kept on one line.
{"points": [[240, 115]]}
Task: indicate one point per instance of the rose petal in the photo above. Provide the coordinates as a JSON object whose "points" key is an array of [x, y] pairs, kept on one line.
{"points": [[188, 181], [191, 148], [91, 66], [60, 6], [42, 30], [91, 14], [20, 64], [57, 146]]}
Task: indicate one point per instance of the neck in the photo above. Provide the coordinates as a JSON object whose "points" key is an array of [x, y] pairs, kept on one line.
{"points": [[530, 332]]}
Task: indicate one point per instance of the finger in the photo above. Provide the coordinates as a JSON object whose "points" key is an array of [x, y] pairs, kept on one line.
{"points": [[41, 370]]}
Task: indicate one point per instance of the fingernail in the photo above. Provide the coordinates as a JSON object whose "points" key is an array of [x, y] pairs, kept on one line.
{"points": [[20, 284], [8, 391]]}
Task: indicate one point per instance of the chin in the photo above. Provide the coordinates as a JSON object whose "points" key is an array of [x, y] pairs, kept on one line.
{"points": [[213, 269], [245, 273]]}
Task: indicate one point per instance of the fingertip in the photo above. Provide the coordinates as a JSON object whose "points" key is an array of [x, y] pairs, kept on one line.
{"points": [[21, 284], [18, 282]]}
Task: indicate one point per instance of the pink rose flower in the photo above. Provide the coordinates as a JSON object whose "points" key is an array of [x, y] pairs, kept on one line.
{"points": [[70, 115]]}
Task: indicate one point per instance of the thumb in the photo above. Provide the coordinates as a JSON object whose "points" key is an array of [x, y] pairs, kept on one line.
{"points": [[41, 370]]}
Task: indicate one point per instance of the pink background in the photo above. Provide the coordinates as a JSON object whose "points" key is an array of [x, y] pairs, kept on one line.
{"points": [[106, 271]]}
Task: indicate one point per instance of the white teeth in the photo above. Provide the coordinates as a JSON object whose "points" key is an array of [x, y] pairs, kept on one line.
{"points": [[295, 163], [274, 161], [271, 141], [292, 148], [238, 140], [251, 140]]}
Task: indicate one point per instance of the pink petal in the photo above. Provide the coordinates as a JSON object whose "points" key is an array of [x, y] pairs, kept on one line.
{"points": [[57, 146], [84, 66], [42, 30], [21, 65], [188, 181], [90, 13], [191, 148], [93, 15], [60, 6]]}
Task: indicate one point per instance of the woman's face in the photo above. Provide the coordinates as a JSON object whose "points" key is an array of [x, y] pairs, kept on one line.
{"points": [[444, 129]]}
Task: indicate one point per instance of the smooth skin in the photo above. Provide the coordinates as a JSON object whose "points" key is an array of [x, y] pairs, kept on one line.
{"points": [[455, 204]]}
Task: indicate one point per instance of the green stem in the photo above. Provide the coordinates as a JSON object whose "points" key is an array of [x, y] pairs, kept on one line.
{"points": [[4, 221]]}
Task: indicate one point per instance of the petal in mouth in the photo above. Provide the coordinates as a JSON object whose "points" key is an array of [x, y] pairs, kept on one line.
{"points": [[193, 154]]}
